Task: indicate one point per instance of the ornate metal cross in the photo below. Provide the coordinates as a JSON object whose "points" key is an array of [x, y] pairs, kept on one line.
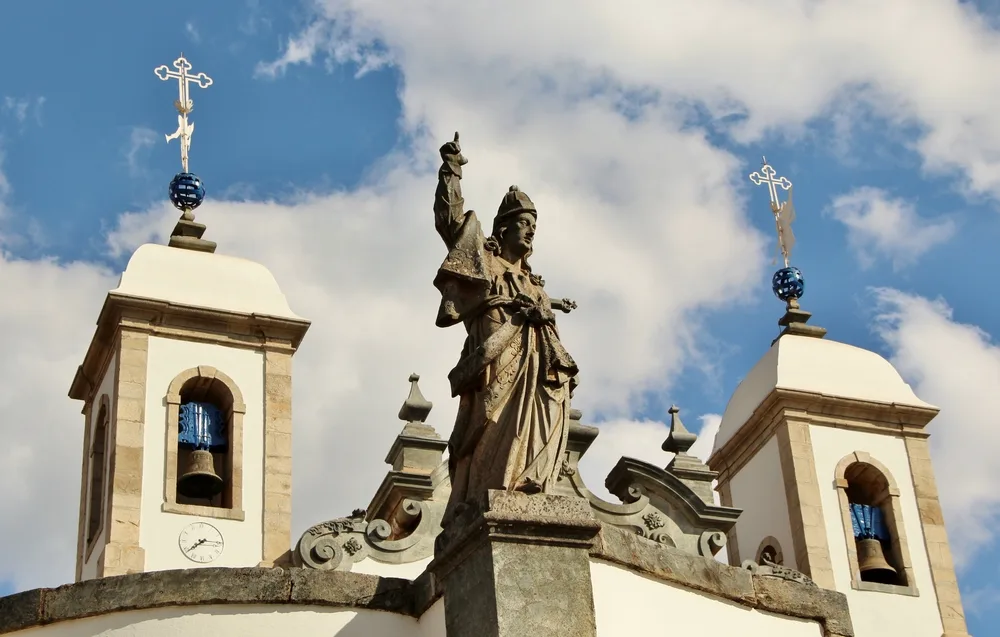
{"points": [[184, 103], [784, 213], [772, 184]]}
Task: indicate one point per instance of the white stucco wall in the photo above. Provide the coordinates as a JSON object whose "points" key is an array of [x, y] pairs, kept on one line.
{"points": [[408, 571], [759, 489], [158, 531], [876, 613], [107, 386], [248, 621], [628, 604]]}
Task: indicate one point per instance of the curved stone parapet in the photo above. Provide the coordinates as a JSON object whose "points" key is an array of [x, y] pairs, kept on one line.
{"points": [[302, 588], [657, 504]]}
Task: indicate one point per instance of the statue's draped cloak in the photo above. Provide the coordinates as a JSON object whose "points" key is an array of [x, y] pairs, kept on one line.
{"points": [[514, 378]]}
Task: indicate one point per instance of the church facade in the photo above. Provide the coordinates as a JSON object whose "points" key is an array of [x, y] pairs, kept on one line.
{"points": [[820, 489]]}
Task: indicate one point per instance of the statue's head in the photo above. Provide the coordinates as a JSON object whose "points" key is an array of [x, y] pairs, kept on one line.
{"points": [[514, 225]]}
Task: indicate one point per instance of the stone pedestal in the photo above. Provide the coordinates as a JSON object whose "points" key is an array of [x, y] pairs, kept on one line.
{"points": [[516, 565]]}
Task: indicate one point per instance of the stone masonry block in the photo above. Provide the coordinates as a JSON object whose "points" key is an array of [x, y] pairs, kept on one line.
{"points": [[277, 465], [278, 483], [280, 502], [278, 444]]}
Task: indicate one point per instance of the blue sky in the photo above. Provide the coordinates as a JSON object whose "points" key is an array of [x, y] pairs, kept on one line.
{"points": [[323, 114]]}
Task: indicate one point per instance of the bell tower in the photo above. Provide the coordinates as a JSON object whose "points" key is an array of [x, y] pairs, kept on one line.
{"points": [[186, 391], [825, 449]]}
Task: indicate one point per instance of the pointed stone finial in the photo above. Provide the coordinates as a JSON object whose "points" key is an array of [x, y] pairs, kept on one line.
{"points": [[415, 408], [689, 469], [680, 439], [417, 448]]}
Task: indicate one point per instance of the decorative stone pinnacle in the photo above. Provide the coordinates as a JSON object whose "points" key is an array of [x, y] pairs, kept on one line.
{"points": [[680, 439], [415, 408], [794, 322]]}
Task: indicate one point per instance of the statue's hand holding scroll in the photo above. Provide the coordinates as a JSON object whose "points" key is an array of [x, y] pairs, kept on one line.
{"points": [[534, 312], [564, 305]]}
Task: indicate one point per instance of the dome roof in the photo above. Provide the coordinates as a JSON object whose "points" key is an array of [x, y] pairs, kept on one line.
{"points": [[818, 366], [203, 279]]}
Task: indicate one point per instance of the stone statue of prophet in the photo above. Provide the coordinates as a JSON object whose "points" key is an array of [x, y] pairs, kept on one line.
{"points": [[514, 378]]}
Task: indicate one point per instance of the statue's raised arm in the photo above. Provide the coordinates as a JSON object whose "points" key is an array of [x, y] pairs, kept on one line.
{"points": [[449, 205]]}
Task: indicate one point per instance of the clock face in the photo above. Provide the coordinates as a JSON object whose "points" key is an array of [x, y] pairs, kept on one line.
{"points": [[201, 542]]}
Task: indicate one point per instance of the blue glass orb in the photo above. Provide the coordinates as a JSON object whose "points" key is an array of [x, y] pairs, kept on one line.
{"points": [[788, 284], [186, 191]]}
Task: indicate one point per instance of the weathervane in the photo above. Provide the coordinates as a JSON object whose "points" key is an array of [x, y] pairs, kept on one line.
{"points": [[787, 282], [186, 189]]}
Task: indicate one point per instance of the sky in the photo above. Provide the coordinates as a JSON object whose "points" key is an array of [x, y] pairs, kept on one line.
{"points": [[633, 128]]}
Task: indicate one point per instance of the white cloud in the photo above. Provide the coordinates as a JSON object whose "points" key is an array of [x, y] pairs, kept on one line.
{"points": [[21, 107], [18, 108], [191, 31], [956, 367], [141, 138], [5, 189], [806, 58], [980, 602], [881, 226], [42, 432]]}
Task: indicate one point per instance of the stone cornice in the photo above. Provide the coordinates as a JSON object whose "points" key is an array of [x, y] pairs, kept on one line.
{"points": [[161, 318], [308, 587], [817, 409], [202, 587]]}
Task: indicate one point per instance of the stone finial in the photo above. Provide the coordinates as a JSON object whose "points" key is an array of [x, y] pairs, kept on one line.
{"points": [[794, 322], [415, 408], [687, 468], [418, 447], [187, 235], [680, 439]]}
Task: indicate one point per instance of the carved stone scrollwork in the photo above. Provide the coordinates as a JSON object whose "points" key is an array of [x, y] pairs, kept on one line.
{"points": [[341, 543], [770, 569], [711, 542], [323, 546]]}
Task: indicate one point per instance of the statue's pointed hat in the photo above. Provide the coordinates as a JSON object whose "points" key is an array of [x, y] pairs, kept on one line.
{"points": [[514, 203]]}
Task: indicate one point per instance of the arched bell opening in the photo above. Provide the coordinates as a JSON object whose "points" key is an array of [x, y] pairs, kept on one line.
{"points": [[98, 465], [873, 524], [204, 441]]}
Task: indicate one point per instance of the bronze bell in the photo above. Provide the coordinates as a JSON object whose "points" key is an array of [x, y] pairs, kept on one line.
{"points": [[872, 564], [199, 479]]}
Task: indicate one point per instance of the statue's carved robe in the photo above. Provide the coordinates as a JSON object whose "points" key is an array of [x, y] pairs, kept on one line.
{"points": [[514, 378]]}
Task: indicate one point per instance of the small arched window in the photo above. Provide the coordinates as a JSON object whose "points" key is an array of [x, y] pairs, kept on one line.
{"points": [[873, 526], [204, 444], [97, 469], [769, 552]]}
